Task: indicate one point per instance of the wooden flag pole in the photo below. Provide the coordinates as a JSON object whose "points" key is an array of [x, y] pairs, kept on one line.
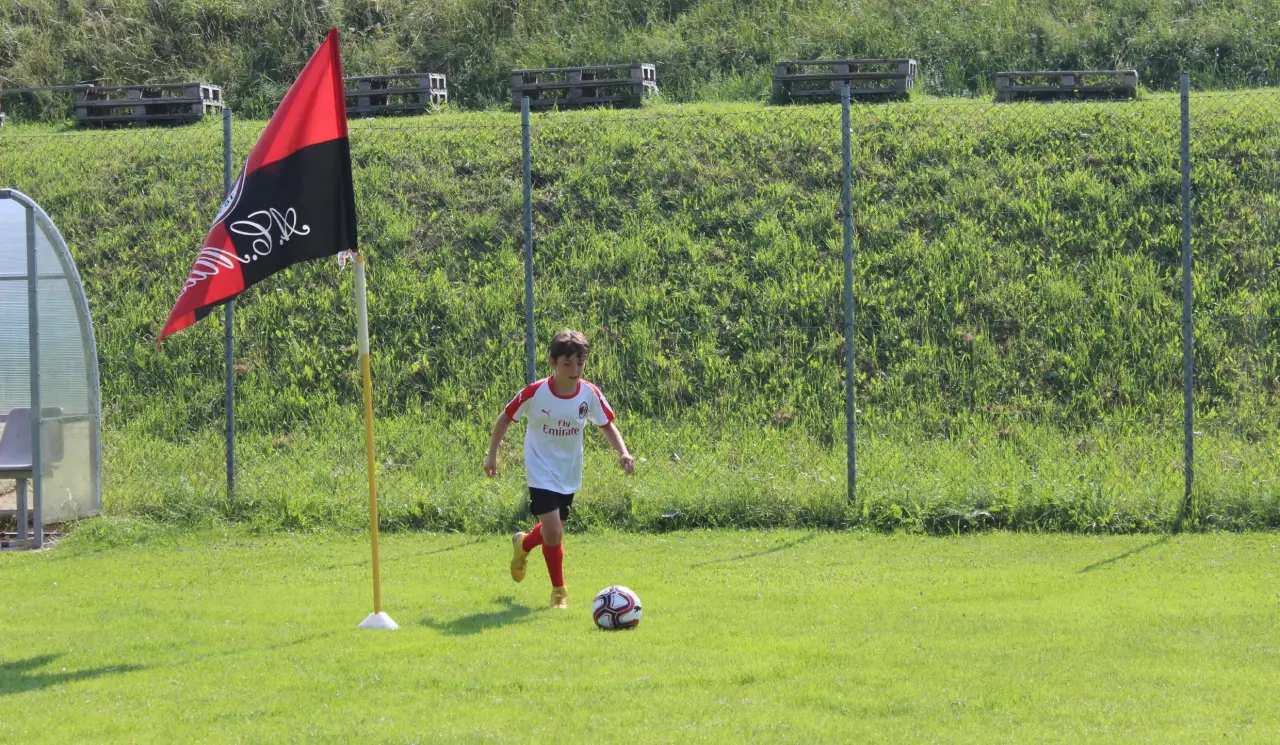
{"points": [[377, 619]]}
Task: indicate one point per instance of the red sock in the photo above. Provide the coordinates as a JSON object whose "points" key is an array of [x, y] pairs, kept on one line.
{"points": [[555, 563], [532, 539]]}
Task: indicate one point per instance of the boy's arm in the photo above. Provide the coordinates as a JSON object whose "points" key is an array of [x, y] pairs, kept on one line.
{"points": [[495, 440], [614, 437]]}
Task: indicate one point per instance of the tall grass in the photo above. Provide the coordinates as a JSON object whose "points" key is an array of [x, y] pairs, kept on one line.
{"points": [[707, 49], [1038, 478], [1019, 262], [1017, 285]]}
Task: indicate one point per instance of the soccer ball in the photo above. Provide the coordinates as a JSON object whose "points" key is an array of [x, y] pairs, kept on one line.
{"points": [[616, 607]]}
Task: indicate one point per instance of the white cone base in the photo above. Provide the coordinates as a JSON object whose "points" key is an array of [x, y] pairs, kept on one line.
{"points": [[379, 621]]}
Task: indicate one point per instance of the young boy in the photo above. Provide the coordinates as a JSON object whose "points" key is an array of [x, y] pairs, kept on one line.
{"points": [[558, 409]]}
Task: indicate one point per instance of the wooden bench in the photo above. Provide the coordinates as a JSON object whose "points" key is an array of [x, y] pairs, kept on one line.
{"points": [[1053, 84], [411, 92], [161, 103], [866, 78], [575, 87]]}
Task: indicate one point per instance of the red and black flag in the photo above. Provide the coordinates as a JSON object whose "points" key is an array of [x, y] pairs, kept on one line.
{"points": [[292, 202]]}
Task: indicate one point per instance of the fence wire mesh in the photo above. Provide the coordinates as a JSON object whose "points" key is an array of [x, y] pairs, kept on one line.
{"points": [[1018, 312], [1235, 145], [132, 204], [1017, 288], [702, 257]]}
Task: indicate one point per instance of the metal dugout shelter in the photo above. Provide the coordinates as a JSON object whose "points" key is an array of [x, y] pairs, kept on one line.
{"points": [[48, 379]]}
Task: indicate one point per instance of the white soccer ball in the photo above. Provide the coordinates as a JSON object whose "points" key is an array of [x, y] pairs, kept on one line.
{"points": [[616, 607]]}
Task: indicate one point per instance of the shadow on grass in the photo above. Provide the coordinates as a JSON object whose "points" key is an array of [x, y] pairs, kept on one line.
{"points": [[394, 556], [243, 650], [740, 557], [475, 623], [1137, 550], [21, 676], [450, 547]]}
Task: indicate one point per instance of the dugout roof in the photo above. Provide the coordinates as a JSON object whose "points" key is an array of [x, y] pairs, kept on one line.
{"points": [[48, 365]]}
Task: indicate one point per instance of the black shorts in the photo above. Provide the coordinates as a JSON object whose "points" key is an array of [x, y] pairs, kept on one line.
{"points": [[542, 501]]}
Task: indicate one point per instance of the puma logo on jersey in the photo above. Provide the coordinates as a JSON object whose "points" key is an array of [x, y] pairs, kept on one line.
{"points": [[545, 411]]}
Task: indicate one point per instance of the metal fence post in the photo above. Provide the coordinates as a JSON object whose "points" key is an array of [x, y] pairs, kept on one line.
{"points": [[228, 322], [528, 242], [37, 428], [1188, 391], [851, 454]]}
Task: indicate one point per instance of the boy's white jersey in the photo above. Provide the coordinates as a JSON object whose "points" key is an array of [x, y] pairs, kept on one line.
{"points": [[553, 437]]}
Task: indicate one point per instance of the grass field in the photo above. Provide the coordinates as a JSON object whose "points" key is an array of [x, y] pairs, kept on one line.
{"points": [[1017, 289], [131, 632]]}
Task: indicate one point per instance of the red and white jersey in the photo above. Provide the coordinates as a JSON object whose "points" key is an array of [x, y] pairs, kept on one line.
{"points": [[553, 437]]}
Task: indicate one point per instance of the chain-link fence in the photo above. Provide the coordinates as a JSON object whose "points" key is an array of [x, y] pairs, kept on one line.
{"points": [[1017, 287], [132, 204], [1019, 281], [1235, 162]]}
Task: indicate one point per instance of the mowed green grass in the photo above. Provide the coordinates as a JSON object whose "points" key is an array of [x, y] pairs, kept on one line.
{"points": [[747, 636]]}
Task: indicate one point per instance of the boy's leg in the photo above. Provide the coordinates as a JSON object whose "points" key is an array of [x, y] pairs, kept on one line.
{"points": [[552, 509], [553, 554], [531, 540], [521, 545], [520, 555], [540, 500], [552, 546]]}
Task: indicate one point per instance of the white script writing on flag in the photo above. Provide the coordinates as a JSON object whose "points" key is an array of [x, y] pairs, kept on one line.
{"points": [[258, 225]]}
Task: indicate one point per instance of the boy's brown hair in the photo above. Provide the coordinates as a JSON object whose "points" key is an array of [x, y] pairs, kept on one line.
{"points": [[568, 343]]}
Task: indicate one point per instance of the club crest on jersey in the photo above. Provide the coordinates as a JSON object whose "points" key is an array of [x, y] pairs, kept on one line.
{"points": [[582, 410]]}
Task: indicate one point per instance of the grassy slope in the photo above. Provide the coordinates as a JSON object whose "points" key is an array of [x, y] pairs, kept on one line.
{"points": [[708, 49], [1017, 294], [785, 637], [1009, 259]]}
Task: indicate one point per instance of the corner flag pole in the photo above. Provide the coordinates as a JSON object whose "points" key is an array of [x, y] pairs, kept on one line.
{"points": [[377, 619]]}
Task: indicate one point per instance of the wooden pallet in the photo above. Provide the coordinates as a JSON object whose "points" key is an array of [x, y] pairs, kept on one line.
{"points": [[1056, 84], [866, 78], [412, 92], [163, 103], [576, 87]]}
